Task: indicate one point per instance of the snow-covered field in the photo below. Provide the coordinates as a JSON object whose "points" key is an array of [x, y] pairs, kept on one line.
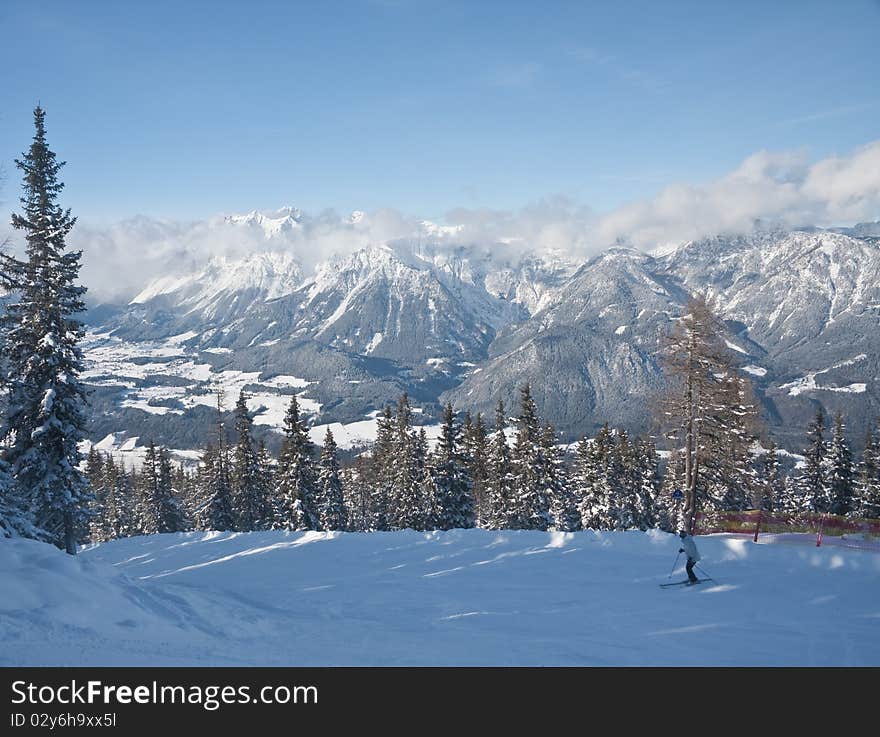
{"points": [[466, 597]]}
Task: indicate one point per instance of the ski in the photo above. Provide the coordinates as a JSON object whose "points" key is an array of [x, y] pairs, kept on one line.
{"points": [[681, 583]]}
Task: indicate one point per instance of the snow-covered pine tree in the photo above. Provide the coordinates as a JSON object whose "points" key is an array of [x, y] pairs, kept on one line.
{"points": [[404, 509], [813, 481], [147, 506], [770, 489], [95, 476], [295, 475], [214, 510], [868, 477], [429, 512], [356, 490], [266, 481], [249, 502], [592, 480], [622, 480], [158, 509], [790, 499], [646, 483], [475, 450], [531, 504], [44, 419], [172, 515], [840, 471], [331, 510], [381, 472], [563, 509], [499, 476], [668, 509], [455, 503], [115, 518]]}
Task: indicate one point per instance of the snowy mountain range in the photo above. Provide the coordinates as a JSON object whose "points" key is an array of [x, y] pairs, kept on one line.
{"points": [[464, 324]]}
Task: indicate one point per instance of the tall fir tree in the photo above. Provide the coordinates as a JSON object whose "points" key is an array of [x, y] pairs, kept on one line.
{"points": [[381, 473], [158, 508], [563, 509], [593, 481], [214, 510], [499, 476], [867, 490], [531, 503], [331, 506], [295, 475], [405, 483], [250, 501], [44, 419], [646, 483], [840, 471], [356, 491], [813, 486], [452, 492], [770, 489], [476, 454]]}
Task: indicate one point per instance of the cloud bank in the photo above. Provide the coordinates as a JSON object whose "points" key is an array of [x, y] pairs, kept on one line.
{"points": [[782, 188]]}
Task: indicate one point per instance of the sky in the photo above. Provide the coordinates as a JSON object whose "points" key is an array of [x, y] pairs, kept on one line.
{"points": [[186, 110]]}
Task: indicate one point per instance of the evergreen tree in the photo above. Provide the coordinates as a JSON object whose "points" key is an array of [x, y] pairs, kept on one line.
{"points": [[814, 492], [115, 518], [622, 481], [593, 487], [475, 451], [295, 476], [356, 490], [669, 509], [771, 492], [429, 512], [331, 510], [563, 509], [405, 509], [382, 472], [455, 503], [645, 484], [214, 511], [840, 471], [95, 478], [249, 492], [499, 476], [531, 503], [868, 484], [44, 421]]}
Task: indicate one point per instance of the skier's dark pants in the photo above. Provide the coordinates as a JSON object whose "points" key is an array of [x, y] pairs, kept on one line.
{"points": [[690, 569]]}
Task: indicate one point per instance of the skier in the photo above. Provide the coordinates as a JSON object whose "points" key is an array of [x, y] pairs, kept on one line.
{"points": [[690, 547]]}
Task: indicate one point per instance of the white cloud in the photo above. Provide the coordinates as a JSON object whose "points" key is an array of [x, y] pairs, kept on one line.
{"points": [[779, 187]]}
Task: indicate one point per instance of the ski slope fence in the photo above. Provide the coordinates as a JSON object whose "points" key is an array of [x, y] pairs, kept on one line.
{"points": [[856, 532]]}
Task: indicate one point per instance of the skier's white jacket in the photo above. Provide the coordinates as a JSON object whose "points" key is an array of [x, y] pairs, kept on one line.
{"points": [[690, 547]]}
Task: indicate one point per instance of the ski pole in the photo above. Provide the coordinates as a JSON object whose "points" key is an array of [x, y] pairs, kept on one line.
{"points": [[673, 566], [703, 570]]}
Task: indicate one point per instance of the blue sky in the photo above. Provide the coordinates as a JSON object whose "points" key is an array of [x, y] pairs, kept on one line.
{"points": [[187, 109]]}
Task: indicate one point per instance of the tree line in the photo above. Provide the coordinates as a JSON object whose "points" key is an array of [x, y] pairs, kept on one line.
{"points": [[513, 474]]}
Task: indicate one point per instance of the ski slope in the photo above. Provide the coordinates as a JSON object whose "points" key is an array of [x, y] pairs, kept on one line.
{"points": [[465, 597]]}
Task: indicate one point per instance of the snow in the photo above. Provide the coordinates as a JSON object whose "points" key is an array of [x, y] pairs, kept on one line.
{"points": [[735, 347], [462, 598], [363, 432], [621, 330], [808, 383], [755, 370], [374, 342]]}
